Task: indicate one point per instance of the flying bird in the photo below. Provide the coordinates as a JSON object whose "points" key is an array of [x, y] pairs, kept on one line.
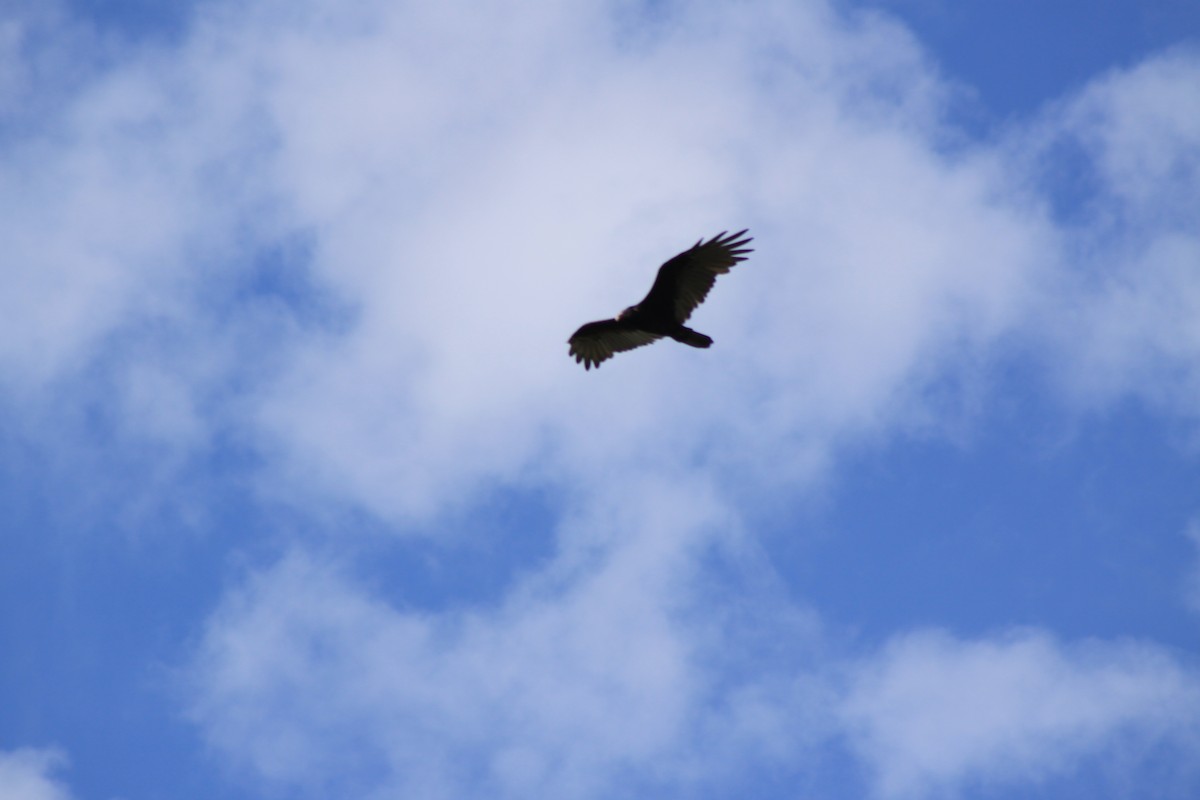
{"points": [[681, 285]]}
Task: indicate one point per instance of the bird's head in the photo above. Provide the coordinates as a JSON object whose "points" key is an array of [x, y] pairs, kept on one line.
{"points": [[627, 312]]}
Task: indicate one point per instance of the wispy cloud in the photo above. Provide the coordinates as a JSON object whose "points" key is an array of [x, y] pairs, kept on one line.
{"points": [[1126, 319], [933, 713], [606, 671], [29, 774]]}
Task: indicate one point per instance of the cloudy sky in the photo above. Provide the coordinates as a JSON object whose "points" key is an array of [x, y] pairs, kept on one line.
{"points": [[302, 497]]}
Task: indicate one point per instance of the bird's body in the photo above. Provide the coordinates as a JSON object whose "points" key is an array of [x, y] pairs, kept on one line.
{"points": [[682, 284]]}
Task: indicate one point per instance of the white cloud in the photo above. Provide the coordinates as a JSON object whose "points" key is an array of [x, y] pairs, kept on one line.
{"points": [[28, 774], [545, 699], [1127, 318], [464, 220], [1143, 127], [933, 713], [469, 218], [607, 669], [613, 667], [553, 208]]}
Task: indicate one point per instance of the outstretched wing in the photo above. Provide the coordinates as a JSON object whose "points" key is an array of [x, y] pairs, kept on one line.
{"points": [[685, 280], [597, 341]]}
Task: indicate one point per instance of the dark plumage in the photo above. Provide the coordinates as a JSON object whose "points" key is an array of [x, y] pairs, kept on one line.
{"points": [[681, 285]]}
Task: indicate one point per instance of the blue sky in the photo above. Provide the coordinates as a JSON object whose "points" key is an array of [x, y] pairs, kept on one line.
{"points": [[304, 498]]}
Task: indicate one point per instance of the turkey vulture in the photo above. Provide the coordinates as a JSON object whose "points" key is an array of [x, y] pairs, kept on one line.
{"points": [[681, 285]]}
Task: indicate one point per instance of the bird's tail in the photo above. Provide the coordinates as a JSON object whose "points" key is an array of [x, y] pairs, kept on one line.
{"points": [[689, 336]]}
